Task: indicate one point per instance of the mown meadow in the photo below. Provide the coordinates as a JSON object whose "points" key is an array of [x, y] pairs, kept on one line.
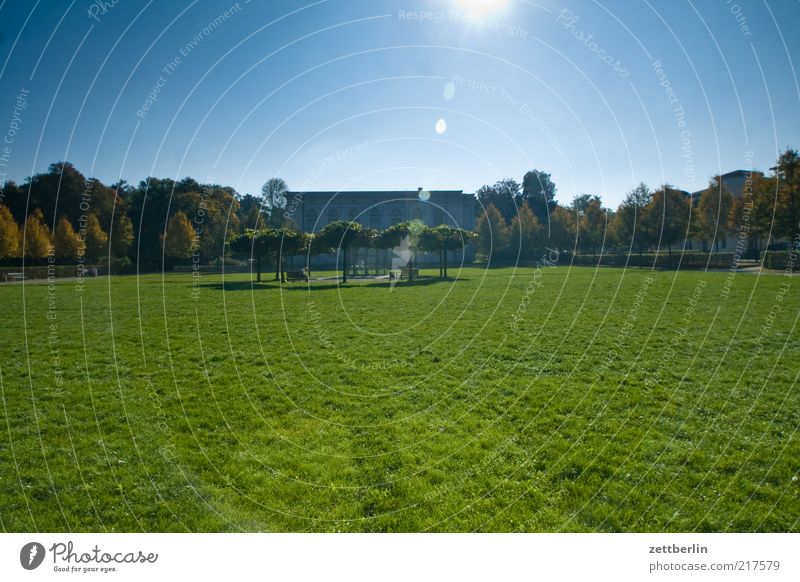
{"points": [[551, 399]]}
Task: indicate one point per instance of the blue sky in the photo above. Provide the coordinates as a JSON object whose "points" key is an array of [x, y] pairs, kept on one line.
{"points": [[347, 94]]}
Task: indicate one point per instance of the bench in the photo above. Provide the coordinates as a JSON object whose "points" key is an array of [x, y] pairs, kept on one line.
{"points": [[404, 273], [15, 277], [296, 276]]}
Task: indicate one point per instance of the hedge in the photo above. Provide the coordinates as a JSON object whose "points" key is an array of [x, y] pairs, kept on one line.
{"points": [[781, 260], [687, 260]]}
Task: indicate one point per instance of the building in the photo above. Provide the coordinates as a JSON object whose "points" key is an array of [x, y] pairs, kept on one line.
{"points": [[737, 183], [311, 211]]}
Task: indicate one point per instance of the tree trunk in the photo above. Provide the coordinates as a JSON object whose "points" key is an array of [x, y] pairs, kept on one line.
{"points": [[258, 268], [344, 254], [445, 264], [277, 268], [283, 273], [441, 264]]}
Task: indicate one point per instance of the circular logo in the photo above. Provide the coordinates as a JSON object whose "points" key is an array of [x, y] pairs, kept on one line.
{"points": [[31, 555]]}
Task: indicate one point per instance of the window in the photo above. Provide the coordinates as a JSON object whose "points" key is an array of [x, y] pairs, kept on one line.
{"points": [[352, 215], [416, 213], [438, 217], [311, 220], [375, 219], [333, 215], [397, 215]]}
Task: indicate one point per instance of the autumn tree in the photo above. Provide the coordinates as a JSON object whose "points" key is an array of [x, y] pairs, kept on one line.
{"points": [[559, 233], [667, 217], [36, 236], [121, 235], [526, 232], [711, 214], [628, 227], [493, 233], [65, 240], [9, 233], [178, 240], [590, 220], [787, 211]]}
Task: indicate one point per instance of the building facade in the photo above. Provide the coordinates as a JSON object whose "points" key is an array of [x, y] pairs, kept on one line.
{"points": [[737, 183]]}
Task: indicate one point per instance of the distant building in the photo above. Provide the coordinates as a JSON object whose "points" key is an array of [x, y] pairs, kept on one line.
{"points": [[736, 183], [311, 211]]}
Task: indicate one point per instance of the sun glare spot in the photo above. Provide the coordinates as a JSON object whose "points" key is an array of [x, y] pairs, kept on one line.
{"points": [[482, 7], [441, 126]]}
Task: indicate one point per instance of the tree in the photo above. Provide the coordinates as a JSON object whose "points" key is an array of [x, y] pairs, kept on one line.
{"points": [[754, 212], [430, 241], [121, 235], [9, 233], [493, 234], [526, 231], [285, 242], [66, 239], [36, 236], [397, 237], [503, 195], [787, 211], [212, 207], [339, 235], [250, 212], [591, 222], [628, 227], [255, 244], [365, 240], [560, 231], [96, 239], [178, 240], [539, 191], [711, 214], [274, 193], [452, 238], [667, 217]]}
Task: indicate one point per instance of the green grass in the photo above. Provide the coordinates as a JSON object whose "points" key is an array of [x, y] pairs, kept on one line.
{"points": [[501, 401]]}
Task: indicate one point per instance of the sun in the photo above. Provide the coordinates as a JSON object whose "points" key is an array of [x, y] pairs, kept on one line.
{"points": [[482, 7]]}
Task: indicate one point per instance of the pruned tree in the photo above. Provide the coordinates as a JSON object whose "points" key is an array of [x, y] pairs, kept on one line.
{"points": [[251, 243], [339, 236]]}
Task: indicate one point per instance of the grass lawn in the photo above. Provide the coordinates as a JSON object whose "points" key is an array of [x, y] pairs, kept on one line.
{"points": [[551, 400]]}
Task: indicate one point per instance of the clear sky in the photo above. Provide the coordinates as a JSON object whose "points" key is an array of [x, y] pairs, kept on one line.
{"points": [[349, 94]]}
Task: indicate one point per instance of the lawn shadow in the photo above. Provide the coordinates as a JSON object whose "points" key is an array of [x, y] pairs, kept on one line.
{"points": [[321, 285]]}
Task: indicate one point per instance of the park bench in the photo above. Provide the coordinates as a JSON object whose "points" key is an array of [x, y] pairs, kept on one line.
{"points": [[10, 277], [404, 273], [296, 276]]}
